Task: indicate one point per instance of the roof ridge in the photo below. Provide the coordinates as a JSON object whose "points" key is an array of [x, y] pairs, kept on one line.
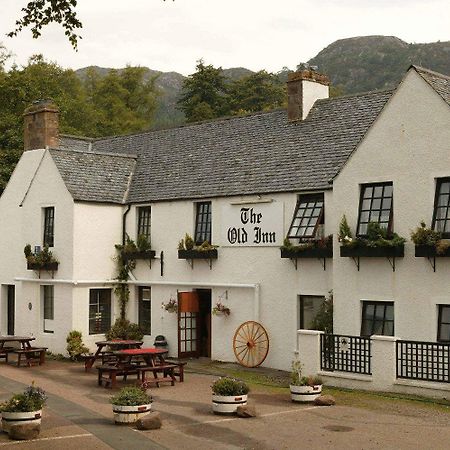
{"points": [[93, 152], [432, 72]]}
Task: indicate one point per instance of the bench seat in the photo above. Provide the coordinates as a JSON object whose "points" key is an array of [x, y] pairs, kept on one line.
{"points": [[32, 355]]}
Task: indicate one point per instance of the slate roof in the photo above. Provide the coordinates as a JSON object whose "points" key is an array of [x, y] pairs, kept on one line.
{"points": [[95, 177], [255, 154], [440, 83]]}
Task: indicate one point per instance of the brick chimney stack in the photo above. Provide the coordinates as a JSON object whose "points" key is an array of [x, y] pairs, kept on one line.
{"points": [[304, 88], [41, 125]]}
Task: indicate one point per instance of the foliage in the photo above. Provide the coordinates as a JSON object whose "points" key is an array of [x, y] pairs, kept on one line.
{"points": [[124, 329], [39, 13], [171, 306], [75, 347], [377, 236], [323, 321], [124, 267], [188, 243], [423, 235], [220, 308], [442, 246], [131, 396], [203, 94], [298, 379], [32, 399], [143, 243], [45, 256], [325, 242], [229, 387]]}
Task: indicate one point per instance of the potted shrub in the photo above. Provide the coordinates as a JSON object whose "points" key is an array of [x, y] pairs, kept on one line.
{"points": [[23, 408], [75, 347], [44, 260], [228, 394], [304, 388], [130, 404], [188, 250], [429, 243]]}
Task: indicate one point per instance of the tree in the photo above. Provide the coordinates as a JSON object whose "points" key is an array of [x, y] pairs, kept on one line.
{"points": [[256, 92], [40, 13], [204, 94]]}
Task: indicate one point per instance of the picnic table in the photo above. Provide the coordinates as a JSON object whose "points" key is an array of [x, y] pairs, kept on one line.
{"points": [[31, 354], [114, 344]]}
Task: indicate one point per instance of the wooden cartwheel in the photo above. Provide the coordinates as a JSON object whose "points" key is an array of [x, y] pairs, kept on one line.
{"points": [[251, 344]]}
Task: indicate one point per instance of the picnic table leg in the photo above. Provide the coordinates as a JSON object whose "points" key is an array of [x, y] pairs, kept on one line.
{"points": [[42, 357]]}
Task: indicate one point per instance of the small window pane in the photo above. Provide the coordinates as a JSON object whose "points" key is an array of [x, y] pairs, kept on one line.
{"points": [[307, 216], [377, 318], [368, 193], [203, 223], [49, 225]]}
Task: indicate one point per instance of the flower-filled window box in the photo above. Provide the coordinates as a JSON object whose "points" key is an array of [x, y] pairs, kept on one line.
{"points": [[189, 251], [322, 248], [44, 260], [428, 251], [377, 243], [132, 251]]}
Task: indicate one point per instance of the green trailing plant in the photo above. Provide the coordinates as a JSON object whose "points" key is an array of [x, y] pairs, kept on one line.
{"points": [[124, 329], [32, 399], [171, 306], [45, 256], [229, 387], [131, 396], [75, 347], [323, 321], [189, 242], [377, 236], [298, 379]]}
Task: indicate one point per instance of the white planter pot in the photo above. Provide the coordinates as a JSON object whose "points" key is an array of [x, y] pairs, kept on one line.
{"points": [[15, 418], [305, 393], [130, 414], [225, 404]]}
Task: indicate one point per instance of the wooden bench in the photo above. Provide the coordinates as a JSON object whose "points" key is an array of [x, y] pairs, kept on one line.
{"points": [[108, 374], [179, 370], [32, 355], [4, 352], [166, 369]]}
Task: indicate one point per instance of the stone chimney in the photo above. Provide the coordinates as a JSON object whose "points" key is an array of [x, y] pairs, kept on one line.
{"points": [[304, 88], [41, 125]]}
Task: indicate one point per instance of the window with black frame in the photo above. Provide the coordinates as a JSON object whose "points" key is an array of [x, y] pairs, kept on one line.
{"points": [[444, 323], [309, 306], [441, 215], [375, 205], [145, 310], [49, 226], [144, 221], [99, 311], [203, 223], [308, 216], [48, 306], [377, 318]]}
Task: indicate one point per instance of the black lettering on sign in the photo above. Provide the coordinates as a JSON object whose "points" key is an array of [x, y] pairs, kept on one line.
{"points": [[248, 215], [263, 237], [237, 235]]}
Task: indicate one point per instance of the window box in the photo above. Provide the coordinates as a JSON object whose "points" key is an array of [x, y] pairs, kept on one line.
{"points": [[373, 252], [197, 254], [51, 266], [149, 254], [429, 251], [326, 252]]}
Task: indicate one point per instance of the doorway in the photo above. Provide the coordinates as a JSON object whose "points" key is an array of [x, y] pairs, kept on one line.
{"points": [[10, 309], [194, 324]]}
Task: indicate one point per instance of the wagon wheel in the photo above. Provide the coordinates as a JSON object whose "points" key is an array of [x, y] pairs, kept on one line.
{"points": [[251, 344]]}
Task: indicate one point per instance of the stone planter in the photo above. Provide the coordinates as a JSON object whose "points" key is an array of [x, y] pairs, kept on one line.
{"points": [[305, 393], [20, 418], [130, 414], [227, 404]]}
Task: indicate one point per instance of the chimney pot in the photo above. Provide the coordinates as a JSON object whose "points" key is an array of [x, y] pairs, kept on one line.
{"points": [[304, 88], [41, 125]]}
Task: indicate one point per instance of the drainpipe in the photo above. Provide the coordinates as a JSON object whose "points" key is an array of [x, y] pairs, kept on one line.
{"points": [[124, 223]]}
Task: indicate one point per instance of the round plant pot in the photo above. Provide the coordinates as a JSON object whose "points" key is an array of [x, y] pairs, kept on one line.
{"points": [[19, 418], [305, 393], [130, 414], [227, 404]]}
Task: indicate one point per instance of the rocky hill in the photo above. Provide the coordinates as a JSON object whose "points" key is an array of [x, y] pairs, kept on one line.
{"points": [[356, 64]]}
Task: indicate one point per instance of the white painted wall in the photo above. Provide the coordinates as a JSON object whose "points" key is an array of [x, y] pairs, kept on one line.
{"points": [[312, 91], [409, 144]]}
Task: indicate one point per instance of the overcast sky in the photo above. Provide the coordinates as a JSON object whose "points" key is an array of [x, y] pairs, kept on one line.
{"points": [[257, 34]]}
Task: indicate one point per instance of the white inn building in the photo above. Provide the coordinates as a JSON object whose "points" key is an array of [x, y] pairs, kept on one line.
{"points": [[244, 184]]}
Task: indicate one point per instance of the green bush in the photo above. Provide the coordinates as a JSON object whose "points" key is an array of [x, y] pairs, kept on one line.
{"points": [[75, 347], [189, 242], [143, 243], [229, 386], [131, 396], [423, 235], [32, 399], [124, 329]]}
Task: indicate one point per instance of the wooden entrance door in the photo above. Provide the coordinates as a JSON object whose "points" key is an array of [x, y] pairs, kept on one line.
{"points": [[11, 307], [188, 310]]}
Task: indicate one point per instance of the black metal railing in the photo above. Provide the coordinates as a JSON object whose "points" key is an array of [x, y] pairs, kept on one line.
{"points": [[345, 353], [428, 361]]}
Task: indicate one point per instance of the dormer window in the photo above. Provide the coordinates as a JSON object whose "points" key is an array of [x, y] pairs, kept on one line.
{"points": [[308, 216], [375, 205], [203, 223], [441, 215]]}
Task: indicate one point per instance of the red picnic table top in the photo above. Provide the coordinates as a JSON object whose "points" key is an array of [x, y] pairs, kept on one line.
{"points": [[142, 351]]}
